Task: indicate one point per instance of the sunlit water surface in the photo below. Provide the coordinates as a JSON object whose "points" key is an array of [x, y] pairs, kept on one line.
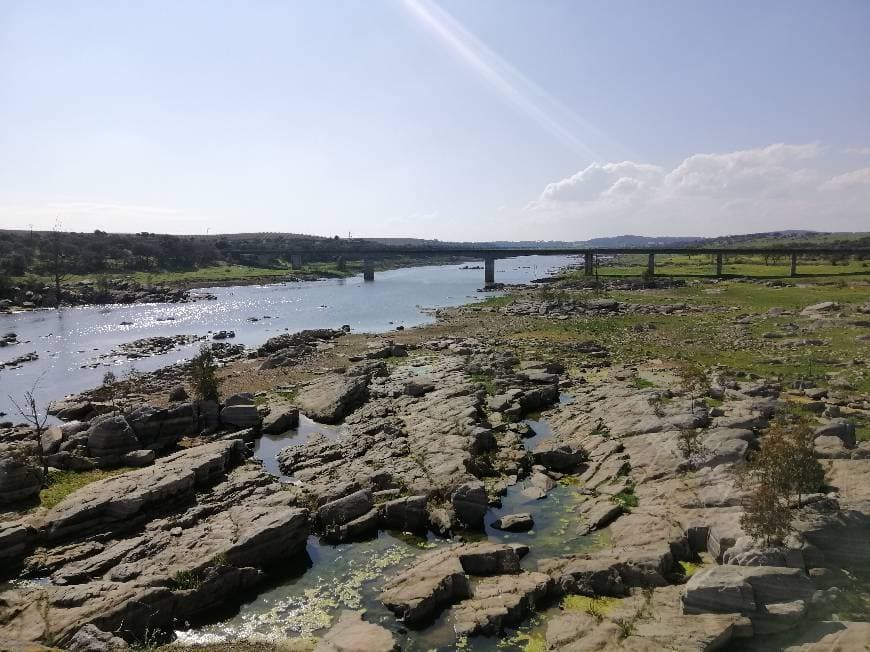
{"points": [[68, 339]]}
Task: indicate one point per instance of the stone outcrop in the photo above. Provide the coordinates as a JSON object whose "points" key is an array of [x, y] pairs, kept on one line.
{"points": [[419, 594], [175, 540], [290, 349], [499, 601], [441, 578], [423, 445], [774, 598]]}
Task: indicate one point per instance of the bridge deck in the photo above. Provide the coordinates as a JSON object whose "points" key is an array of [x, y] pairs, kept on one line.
{"points": [[497, 252]]}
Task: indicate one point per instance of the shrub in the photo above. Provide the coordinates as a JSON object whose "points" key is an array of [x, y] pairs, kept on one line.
{"points": [[203, 375], [784, 469], [186, 579]]}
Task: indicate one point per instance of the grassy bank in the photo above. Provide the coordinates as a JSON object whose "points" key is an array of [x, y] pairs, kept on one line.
{"points": [[738, 330], [225, 273]]}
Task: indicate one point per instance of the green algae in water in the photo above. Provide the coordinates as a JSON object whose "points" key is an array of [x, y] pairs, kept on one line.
{"points": [[690, 568], [598, 606], [341, 578]]}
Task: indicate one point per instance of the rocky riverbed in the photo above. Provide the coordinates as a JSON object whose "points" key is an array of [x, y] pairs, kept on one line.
{"points": [[89, 292], [544, 489]]}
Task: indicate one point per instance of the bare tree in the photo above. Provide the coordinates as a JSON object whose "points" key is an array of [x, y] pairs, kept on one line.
{"points": [[110, 388], [29, 411]]}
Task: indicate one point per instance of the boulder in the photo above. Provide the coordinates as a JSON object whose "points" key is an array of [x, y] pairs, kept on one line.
{"points": [[418, 387], [138, 458], [515, 522], [242, 398], [69, 410], [824, 306], [352, 634], [239, 415], [344, 510], [111, 437], [70, 462], [162, 428], [559, 457], [601, 515], [407, 514], [281, 418], [841, 428], [51, 440], [92, 639], [470, 503], [178, 394], [19, 479], [123, 500], [830, 447], [585, 575]]}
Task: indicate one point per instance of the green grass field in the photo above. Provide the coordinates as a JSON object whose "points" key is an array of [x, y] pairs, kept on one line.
{"points": [[704, 265]]}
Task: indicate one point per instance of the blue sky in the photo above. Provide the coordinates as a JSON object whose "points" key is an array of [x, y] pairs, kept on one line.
{"points": [[457, 120]]}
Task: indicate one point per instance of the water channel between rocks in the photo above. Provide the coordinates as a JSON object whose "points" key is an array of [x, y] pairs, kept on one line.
{"points": [[348, 576]]}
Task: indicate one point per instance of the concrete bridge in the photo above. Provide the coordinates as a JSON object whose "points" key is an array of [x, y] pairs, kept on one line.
{"points": [[490, 254]]}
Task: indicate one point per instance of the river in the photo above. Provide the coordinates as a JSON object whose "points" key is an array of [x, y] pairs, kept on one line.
{"points": [[67, 341]]}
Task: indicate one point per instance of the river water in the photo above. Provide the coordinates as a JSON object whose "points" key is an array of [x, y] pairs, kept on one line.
{"points": [[69, 340]]}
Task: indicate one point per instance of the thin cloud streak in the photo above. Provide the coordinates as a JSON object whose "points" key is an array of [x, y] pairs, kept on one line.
{"points": [[515, 87]]}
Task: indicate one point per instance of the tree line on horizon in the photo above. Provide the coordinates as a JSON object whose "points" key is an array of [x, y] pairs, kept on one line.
{"points": [[41, 253]]}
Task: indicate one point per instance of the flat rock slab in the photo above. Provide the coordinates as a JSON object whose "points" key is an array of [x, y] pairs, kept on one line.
{"points": [[440, 578], [419, 594], [121, 498], [352, 634], [331, 399]]}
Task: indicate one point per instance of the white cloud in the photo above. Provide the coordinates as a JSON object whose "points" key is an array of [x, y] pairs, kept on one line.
{"points": [[767, 188], [849, 180]]}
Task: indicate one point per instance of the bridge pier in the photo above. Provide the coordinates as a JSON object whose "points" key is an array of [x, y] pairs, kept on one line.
{"points": [[296, 261], [719, 264], [368, 270], [488, 270], [588, 263], [651, 265], [794, 265]]}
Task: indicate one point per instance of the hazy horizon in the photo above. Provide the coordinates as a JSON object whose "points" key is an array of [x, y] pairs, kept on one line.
{"points": [[458, 121]]}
